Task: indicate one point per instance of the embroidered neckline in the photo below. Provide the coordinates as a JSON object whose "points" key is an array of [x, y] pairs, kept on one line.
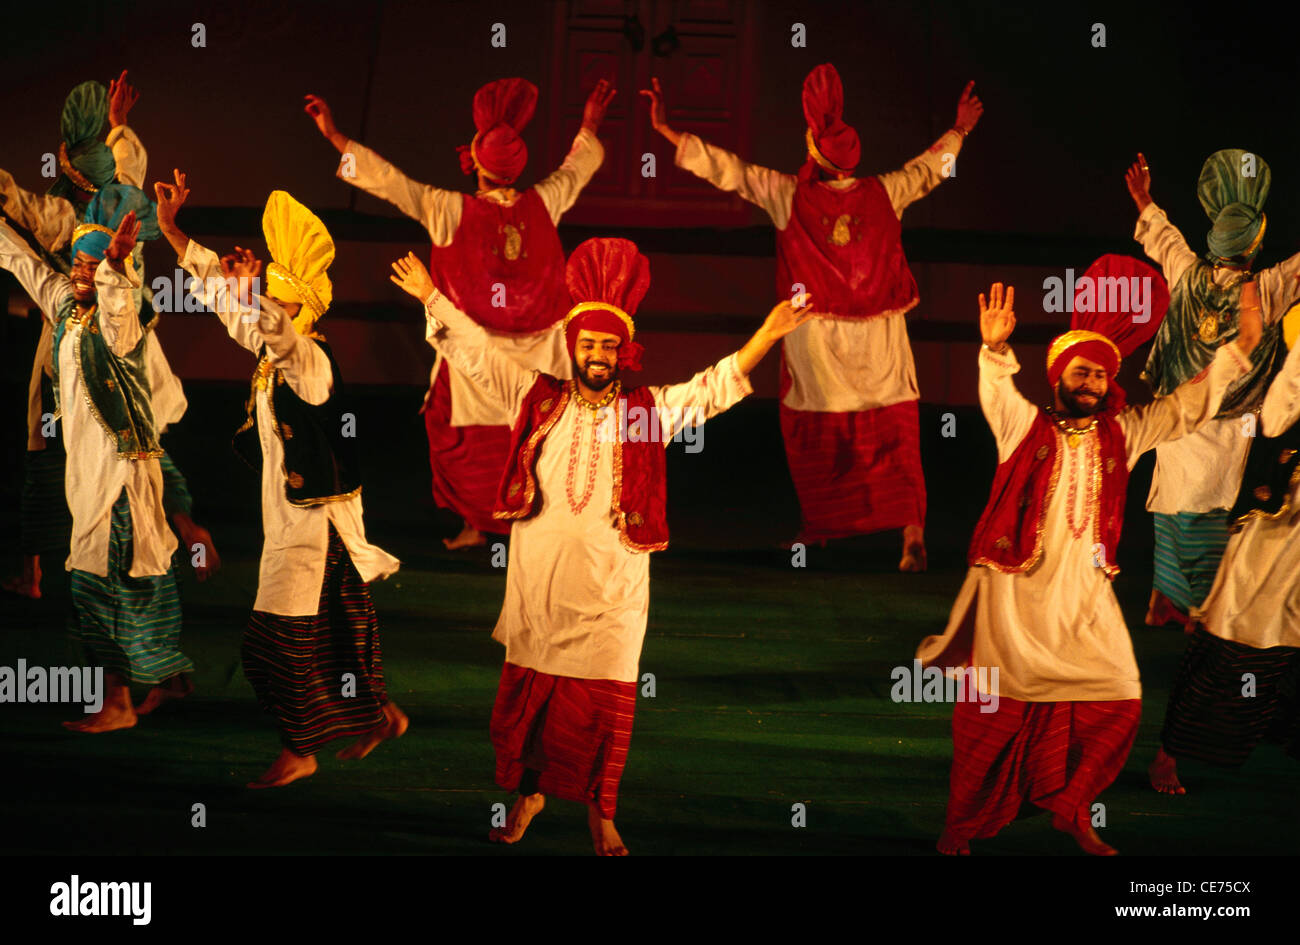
{"points": [[576, 504]]}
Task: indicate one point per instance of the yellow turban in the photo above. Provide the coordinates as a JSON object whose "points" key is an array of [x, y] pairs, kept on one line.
{"points": [[301, 250]]}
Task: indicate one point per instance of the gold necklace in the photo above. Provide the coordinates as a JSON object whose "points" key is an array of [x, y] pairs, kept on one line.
{"points": [[600, 404], [1072, 433]]}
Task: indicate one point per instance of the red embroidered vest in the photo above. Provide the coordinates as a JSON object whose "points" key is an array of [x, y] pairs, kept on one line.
{"points": [[507, 255], [1009, 535], [640, 496], [845, 248]]}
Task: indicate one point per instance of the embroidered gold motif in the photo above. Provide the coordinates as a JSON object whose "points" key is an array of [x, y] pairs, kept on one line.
{"points": [[295, 480], [634, 518], [1209, 329], [1110, 464], [840, 234], [514, 489], [286, 431], [1003, 543], [1041, 453], [110, 384], [1263, 493], [513, 242], [547, 404], [1285, 456]]}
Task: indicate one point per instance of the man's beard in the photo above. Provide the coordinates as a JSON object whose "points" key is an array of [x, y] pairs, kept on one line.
{"points": [[1075, 408], [600, 383]]}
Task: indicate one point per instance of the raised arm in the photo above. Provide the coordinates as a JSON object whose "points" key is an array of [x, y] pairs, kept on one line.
{"points": [[561, 188], [1160, 239], [437, 210], [1281, 408], [462, 341], [128, 153], [1279, 289], [117, 290], [928, 169], [48, 289], [771, 190], [1008, 413], [1193, 404]]}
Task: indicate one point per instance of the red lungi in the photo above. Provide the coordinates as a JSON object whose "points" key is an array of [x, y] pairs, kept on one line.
{"points": [[855, 472], [1058, 755], [574, 732], [467, 462]]}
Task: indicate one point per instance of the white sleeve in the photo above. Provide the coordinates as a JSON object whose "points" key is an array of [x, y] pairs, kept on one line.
{"points": [[50, 220], [1281, 406], [560, 190], [48, 289], [761, 186], [466, 345], [242, 321], [1163, 242], [117, 298], [1008, 413], [707, 394], [1185, 410], [437, 210], [923, 173], [129, 153], [1279, 288]]}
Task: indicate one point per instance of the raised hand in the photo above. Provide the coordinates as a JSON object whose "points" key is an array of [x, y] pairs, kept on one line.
{"points": [[320, 113], [121, 97], [1250, 326], [244, 266], [997, 316], [170, 199], [413, 277], [787, 316], [969, 109], [123, 240], [659, 112], [1138, 179], [593, 113]]}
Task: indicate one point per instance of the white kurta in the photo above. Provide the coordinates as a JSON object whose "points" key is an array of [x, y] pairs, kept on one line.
{"points": [[296, 539], [1202, 472], [1056, 633], [1256, 595], [95, 473], [438, 211], [836, 365], [576, 599]]}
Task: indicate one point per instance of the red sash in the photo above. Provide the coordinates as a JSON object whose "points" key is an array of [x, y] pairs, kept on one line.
{"points": [[505, 266], [1009, 535], [640, 469], [845, 247]]}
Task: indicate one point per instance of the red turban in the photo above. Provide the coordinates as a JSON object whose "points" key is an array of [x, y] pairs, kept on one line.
{"points": [[831, 143], [607, 279], [1113, 316], [501, 110]]}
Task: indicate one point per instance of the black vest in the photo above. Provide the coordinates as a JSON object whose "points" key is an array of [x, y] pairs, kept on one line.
{"points": [[1272, 470], [321, 464]]}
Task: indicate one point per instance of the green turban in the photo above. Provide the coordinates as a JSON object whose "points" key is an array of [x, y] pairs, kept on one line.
{"points": [[1232, 188], [85, 113]]}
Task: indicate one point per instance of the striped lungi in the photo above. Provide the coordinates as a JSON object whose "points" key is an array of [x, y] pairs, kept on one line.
{"points": [[1189, 547], [45, 523], [1210, 715], [296, 665], [129, 625], [854, 472], [1057, 755], [574, 733], [467, 462]]}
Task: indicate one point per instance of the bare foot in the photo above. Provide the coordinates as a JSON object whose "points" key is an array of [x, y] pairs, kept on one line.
{"points": [[1164, 774], [285, 769], [115, 713], [393, 726], [178, 687], [468, 538], [525, 808], [951, 845], [914, 558], [1085, 837], [603, 835]]}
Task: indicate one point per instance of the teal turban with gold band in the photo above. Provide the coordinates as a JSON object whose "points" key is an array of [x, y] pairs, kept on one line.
{"points": [[1232, 188], [105, 213]]}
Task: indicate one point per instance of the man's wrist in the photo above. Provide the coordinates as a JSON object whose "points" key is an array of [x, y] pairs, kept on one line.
{"points": [[999, 348]]}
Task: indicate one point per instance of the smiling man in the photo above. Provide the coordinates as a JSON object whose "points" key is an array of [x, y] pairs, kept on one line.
{"points": [[586, 503], [1037, 604]]}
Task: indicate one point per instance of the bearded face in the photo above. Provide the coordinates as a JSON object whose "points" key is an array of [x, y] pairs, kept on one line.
{"points": [[1083, 388], [595, 359], [83, 277]]}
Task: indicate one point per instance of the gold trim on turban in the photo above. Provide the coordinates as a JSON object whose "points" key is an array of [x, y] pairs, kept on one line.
{"points": [[1074, 337], [474, 157], [820, 158], [604, 307], [302, 252], [79, 180], [82, 229]]}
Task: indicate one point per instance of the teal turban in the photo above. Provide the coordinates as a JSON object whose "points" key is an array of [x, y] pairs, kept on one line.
{"points": [[105, 213], [85, 112], [1234, 202]]}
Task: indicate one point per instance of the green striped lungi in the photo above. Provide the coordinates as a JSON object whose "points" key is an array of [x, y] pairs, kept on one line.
{"points": [[129, 625], [1189, 547]]}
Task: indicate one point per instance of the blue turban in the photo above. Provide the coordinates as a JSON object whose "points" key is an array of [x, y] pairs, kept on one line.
{"points": [[1234, 202], [105, 213]]}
